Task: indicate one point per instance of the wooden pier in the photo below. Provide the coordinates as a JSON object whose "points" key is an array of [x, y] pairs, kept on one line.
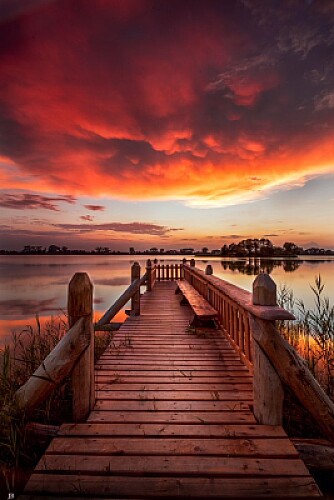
{"points": [[175, 412]]}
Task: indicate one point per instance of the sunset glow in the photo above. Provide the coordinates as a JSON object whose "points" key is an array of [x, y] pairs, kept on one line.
{"points": [[166, 122]]}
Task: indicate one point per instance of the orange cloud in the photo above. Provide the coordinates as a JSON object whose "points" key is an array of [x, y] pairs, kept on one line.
{"points": [[162, 100]]}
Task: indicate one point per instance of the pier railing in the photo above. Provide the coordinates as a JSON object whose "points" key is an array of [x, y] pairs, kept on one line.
{"points": [[247, 319], [162, 272], [74, 355]]}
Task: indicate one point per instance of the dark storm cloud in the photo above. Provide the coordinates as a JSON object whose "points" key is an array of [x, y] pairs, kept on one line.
{"points": [[132, 227], [9, 9], [141, 93], [33, 201], [95, 208], [88, 218]]}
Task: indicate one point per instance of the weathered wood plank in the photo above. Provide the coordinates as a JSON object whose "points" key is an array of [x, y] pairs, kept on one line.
{"points": [[141, 405], [191, 386], [236, 447], [172, 420], [146, 395], [180, 430], [164, 487], [232, 416], [174, 372], [225, 378], [174, 465], [200, 306], [56, 366]]}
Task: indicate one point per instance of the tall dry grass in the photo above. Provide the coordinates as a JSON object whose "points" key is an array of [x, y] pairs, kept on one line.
{"points": [[29, 348], [312, 334]]}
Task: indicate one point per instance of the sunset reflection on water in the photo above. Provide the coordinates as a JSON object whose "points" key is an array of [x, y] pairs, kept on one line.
{"points": [[37, 285]]}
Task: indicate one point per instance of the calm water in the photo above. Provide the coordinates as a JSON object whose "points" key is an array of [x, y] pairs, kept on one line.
{"points": [[33, 285]]}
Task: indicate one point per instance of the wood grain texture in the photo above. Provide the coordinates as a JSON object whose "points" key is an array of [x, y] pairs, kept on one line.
{"points": [[172, 419]]}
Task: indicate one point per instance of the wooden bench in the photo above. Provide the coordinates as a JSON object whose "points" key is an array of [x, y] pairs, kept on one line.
{"points": [[205, 314]]}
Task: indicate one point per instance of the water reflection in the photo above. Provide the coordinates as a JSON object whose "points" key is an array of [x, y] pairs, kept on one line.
{"points": [[33, 285], [253, 267]]}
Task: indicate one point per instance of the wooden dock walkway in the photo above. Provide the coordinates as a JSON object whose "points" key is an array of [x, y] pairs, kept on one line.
{"points": [[172, 419]]}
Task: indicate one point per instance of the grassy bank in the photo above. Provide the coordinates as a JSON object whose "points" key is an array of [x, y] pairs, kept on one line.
{"points": [[20, 449]]}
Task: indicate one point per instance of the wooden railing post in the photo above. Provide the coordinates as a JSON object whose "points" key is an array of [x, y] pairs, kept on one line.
{"points": [[208, 269], [268, 389], [184, 262], [264, 291], [80, 304], [149, 275], [135, 300], [192, 262]]}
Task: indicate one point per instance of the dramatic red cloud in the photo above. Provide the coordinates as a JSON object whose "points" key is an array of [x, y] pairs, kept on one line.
{"points": [[212, 103]]}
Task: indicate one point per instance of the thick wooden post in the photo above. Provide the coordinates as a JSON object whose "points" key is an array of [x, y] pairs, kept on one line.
{"points": [[208, 269], [135, 300], [149, 275], [192, 262], [80, 304], [268, 389], [264, 290], [184, 261]]}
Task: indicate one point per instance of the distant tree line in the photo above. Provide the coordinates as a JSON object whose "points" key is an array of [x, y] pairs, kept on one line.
{"points": [[250, 247]]}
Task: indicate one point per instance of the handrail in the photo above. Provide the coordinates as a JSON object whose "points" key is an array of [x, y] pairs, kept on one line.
{"points": [[294, 373], [162, 272], [55, 368], [241, 297], [251, 330], [74, 354], [121, 301]]}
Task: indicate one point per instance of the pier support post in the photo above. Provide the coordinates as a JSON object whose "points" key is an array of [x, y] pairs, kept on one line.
{"points": [[208, 270], [135, 300], [80, 304], [268, 389], [149, 275]]}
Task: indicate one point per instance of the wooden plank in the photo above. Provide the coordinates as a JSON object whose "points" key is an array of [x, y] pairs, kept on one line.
{"points": [[193, 387], [174, 465], [174, 372], [172, 420], [232, 416], [125, 379], [200, 306], [189, 354], [212, 364], [234, 394], [165, 429], [164, 487], [143, 405], [245, 447]]}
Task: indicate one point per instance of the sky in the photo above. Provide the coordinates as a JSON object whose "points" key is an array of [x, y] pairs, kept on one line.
{"points": [[166, 123]]}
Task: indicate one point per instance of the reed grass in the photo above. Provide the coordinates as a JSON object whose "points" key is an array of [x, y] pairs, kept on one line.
{"points": [[29, 348], [312, 334]]}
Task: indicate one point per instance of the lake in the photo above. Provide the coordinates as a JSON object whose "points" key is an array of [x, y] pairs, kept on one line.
{"points": [[38, 284]]}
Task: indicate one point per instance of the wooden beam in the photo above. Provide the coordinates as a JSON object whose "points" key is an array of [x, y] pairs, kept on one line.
{"points": [[268, 391], [135, 299], [121, 301], [316, 454], [293, 372], [80, 303], [242, 297], [56, 366]]}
